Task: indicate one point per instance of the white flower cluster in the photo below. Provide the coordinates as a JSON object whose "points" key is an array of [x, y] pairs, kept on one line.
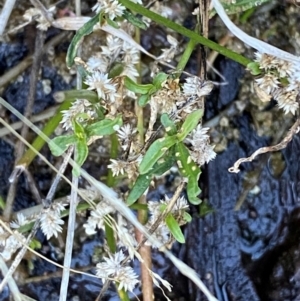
{"points": [[162, 233], [110, 7], [97, 218], [115, 51], [202, 152], [112, 268], [126, 134], [10, 243], [51, 221], [277, 72], [78, 106], [120, 167]]}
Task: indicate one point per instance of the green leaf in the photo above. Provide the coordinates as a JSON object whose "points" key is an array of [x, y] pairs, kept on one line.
{"points": [[134, 20], [136, 88], [81, 154], [193, 190], [112, 23], [168, 124], [139, 187], [187, 217], [189, 169], [60, 144], [78, 128], [116, 70], [143, 181], [156, 150], [104, 127], [85, 30], [143, 100], [254, 68], [174, 228], [189, 124], [159, 79]]}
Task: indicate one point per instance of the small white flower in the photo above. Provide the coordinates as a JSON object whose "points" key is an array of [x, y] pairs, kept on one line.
{"points": [[111, 7], [117, 167], [202, 152], [78, 106], [50, 220], [11, 244], [97, 63], [21, 221], [97, 218], [125, 134], [268, 83], [195, 86], [113, 269], [102, 84], [287, 101]]}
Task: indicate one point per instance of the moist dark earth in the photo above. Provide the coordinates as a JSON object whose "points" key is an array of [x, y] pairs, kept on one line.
{"points": [[241, 255]]}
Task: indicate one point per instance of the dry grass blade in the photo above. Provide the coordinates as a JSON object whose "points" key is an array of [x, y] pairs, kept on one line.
{"points": [[5, 14]]}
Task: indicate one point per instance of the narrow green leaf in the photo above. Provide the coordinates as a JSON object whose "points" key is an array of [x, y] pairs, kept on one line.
{"points": [[159, 79], [85, 30], [137, 88], [143, 100], [143, 181], [60, 144], [134, 20], [156, 150], [112, 23], [61, 96], [189, 169], [104, 127], [168, 124], [81, 154], [116, 70], [189, 124], [174, 228], [139, 187]]}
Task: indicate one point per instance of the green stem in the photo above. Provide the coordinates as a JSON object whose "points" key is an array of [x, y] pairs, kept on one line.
{"points": [[39, 142], [113, 155], [185, 32], [123, 295], [185, 56], [110, 238], [91, 96]]}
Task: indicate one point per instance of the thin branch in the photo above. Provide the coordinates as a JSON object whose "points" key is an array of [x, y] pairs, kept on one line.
{"points": [[267, 149]]}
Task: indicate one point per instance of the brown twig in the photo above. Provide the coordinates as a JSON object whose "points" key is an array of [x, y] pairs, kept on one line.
{"points": [[267, 149]]}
